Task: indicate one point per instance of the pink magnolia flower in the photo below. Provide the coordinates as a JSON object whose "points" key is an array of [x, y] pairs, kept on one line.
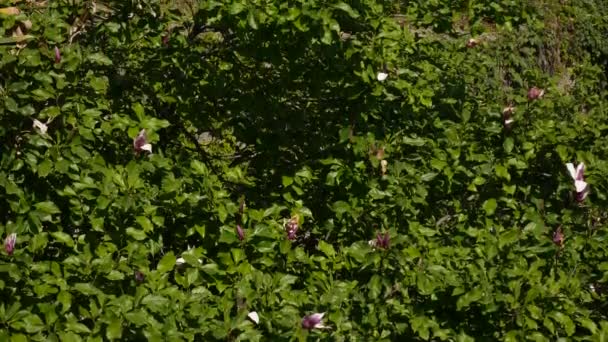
{"points": [[57, 55], [471, 43], [535, 93], [382, 241], [507, 116], [577, 174], [558, 237], [140, 143], [292, 227], [9, 243], [314, 321]]}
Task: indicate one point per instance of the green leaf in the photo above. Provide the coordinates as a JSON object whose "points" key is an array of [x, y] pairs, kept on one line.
{"points": [[77, 327], [155, 303], [115, 275], [508, 145], [137, 234], [346, 8], [47, 207], [167, 263], [114, 330], [63, 238], [99, 58], [327, 249], [490, 206]]}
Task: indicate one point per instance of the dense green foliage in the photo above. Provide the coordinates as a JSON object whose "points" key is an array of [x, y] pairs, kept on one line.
{"points": [[271, 116]]}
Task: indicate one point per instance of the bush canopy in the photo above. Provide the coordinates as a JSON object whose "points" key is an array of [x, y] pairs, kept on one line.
{"points": [[263, 170]]}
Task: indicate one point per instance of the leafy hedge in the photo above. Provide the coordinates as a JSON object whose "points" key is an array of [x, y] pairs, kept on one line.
{"points": [[399, 166]]}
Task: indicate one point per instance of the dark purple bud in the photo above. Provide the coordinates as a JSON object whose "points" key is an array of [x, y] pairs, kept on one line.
{"points": [[165, 39], [139, 277], [240, 232], [9, 243], [383, 240], [57, 55]]}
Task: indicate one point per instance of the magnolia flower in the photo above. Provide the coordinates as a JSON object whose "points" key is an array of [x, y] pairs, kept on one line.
{"points": [[40, 126], [381, 76], [577, 174], [240, 232], [57, 55], [472, 43], [254, 317], [9, 243], [140, 143], [558, 237], [314, 321], [535, 93], [292, 227], [381, 241], [384, 166], [507, 118]]}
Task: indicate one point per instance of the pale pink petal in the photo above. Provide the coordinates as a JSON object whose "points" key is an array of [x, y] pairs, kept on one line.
{"points": [[580, 169], [580, 185]]}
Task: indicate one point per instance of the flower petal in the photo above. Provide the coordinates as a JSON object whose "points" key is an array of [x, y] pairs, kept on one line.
{"points": [[580, 171], [382, 76], [570, 168], [42, 127], [254, 317], [580, 185]]}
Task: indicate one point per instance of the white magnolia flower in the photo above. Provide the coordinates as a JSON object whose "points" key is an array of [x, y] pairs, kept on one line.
{"points": [[381, 76], [40, 126], [254, 317]]}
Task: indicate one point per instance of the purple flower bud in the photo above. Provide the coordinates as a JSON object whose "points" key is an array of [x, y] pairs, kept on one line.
{"points": [[57, 55], [9, 243], [139, 277], [383, 240], [240, 232], [314, 321], [165, 39]]}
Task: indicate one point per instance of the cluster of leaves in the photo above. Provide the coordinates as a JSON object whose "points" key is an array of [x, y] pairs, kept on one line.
{"points": [[272, 116]]}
